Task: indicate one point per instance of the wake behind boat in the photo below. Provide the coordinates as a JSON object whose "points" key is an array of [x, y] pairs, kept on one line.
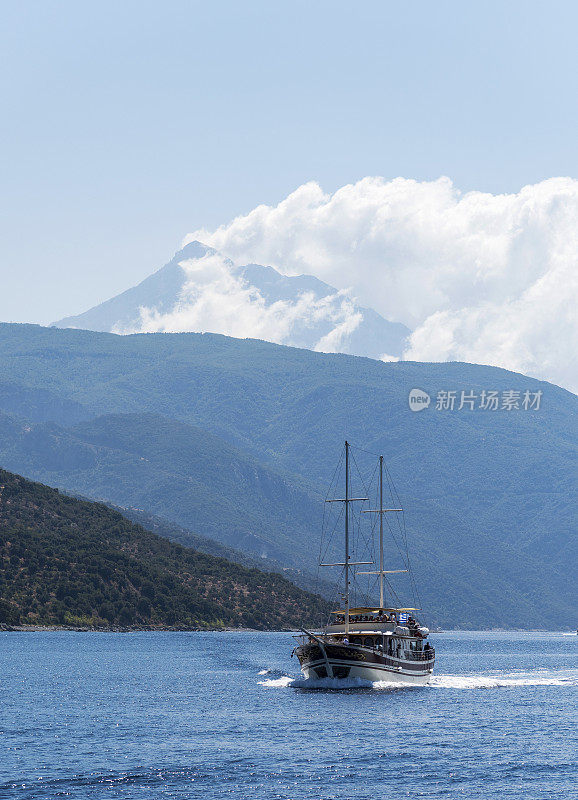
{"points": [[373, 643]]}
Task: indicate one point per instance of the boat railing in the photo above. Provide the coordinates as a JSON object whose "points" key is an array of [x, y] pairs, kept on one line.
{"points": [[414, 655], [408, 655], [411, 655], [421, 655]]}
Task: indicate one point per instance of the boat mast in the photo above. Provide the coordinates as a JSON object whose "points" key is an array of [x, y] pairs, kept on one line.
{"points": [[381, 511], [346, 536], [347, 563], [381, 531]]}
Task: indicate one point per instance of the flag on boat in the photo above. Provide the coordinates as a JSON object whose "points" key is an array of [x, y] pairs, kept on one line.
{"points": [[403, 616]]}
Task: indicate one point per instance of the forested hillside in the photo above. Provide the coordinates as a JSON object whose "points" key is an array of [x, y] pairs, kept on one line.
{"points": [[307, 580], [64, 561]]}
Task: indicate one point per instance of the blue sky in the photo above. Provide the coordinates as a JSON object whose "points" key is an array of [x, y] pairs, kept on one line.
{"points": [[126, 125]]}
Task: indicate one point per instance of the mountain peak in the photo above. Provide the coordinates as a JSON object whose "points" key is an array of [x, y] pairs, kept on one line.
{"points": [[194, 249], [248, 301]]}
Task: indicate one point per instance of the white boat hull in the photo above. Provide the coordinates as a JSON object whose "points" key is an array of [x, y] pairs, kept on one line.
{"points": [[375, 675], [344, 663]]}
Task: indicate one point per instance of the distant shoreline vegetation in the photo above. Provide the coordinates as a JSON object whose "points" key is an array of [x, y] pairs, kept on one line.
{"points": [[4, 628]]}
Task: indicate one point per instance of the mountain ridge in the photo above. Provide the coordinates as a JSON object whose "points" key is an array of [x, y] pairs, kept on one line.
{"points": [[470, 479]]}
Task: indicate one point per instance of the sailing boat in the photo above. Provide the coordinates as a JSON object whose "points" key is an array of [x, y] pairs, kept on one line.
{"points": [[371, 643]]}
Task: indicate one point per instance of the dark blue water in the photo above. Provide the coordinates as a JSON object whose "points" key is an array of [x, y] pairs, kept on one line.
{"points": [[188, 715]]}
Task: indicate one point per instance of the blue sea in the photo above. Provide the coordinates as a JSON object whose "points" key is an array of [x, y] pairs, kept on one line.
{"points": [[224, 715]]}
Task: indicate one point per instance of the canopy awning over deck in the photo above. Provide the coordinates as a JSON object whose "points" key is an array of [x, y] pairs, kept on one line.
{"points": [[373, 610]]}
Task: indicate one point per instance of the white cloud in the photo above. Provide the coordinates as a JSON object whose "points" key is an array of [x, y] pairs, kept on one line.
{"points": [[479, 277], [216, 298]]}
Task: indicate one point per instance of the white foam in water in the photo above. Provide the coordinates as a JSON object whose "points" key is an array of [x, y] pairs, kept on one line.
{"points": [[506, 680], [396, 685], [276, 683], [286, 681], [550, 678]]}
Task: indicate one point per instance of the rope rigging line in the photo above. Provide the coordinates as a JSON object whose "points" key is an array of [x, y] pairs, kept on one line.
{"points": [[362, 542], [363, 450], [412, 578], [370, 591], [326, 514]]}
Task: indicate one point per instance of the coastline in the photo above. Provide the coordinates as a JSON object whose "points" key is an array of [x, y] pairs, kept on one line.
{"points": [[5, 628]]}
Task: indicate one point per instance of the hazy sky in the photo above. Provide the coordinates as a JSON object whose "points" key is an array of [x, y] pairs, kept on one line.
{"points": [[128, 124]]}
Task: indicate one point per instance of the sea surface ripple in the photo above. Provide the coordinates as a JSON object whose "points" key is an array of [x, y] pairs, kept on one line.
{"points": [[227, 715]]}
